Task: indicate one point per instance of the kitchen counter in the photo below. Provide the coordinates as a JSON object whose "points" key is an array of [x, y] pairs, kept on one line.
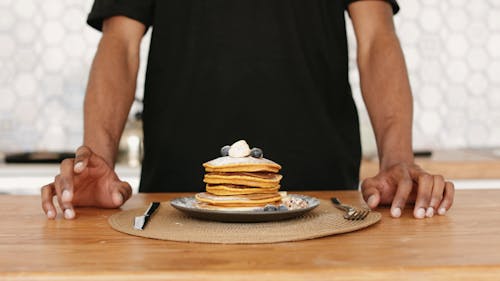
{"points": [[452, 164], [463, 245], [468, 169], [27, 179]]}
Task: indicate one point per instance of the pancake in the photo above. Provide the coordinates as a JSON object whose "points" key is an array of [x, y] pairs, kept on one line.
{"points": [[231, 189], [206, 206], [256, 179], [241, 164], [248, 200]]}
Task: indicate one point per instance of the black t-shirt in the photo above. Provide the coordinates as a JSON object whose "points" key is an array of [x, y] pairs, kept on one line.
{"points": [[274, 73]]}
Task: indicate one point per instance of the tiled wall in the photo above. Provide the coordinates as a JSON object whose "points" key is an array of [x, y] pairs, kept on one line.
{"points": [[452, 49]]}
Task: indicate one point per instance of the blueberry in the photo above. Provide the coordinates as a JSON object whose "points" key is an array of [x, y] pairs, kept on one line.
{"points": [[224, 151], [270, 208], [282, 208], [256, 152]]}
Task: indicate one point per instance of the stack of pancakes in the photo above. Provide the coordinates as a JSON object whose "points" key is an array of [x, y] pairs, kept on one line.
{"points": [[240, 182]]}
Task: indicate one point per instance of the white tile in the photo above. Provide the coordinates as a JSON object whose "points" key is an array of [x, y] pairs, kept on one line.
{"points": [[52, 9], [494, 19], [431, 71], [74, 20], [25, 85], [457, 19], [412, 58], [494, 105], [477, 84], [476, 134], [458, 3], [477, 58], [410, 9], [457, 71], [6, 19], [477, 110], [477, 9], [477, 33], [53, 139], [495, 3], [25, 9], [53, 60], [457, 45], [430, 122], [430, 45], [494, 74], [409, 32], [430, 97], [53, 112], [52, 32], [25, 32], [52, 86], [5, 3], [8, 46], [494, 45], [8, 99], [7, 74], [25, 111], [74, 45], [456, 97], [430, 20], [25, 59]]}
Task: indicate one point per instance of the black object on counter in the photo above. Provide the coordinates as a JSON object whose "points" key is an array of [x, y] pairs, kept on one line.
{"points": [[422, 153], [38, 157]]}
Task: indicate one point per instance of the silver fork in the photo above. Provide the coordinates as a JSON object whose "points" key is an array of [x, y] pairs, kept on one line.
{"points": [[351, 213]]}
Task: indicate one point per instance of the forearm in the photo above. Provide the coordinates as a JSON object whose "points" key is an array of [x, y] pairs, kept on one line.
{"points": [[110, 93], [387, 95]]}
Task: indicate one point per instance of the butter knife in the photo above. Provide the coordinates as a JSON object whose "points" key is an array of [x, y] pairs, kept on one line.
{"points": [[141, 221]]}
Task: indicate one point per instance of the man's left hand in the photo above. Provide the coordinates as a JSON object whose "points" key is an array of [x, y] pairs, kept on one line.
{"points": [[402, 184]]}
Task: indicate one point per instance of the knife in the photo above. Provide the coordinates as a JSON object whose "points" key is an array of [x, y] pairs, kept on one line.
{"points": [[141, 221]]}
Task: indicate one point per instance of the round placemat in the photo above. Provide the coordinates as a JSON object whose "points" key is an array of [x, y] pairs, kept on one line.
{"points": [[170, 224]]}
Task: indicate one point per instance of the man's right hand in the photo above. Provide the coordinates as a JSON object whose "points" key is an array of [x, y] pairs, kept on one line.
{"points": [[84, 181]]}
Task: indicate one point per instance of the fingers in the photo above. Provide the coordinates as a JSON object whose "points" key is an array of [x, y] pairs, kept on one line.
{"points": [[64, 188], [82, 156], [122, 194], [47, 193], [449, 194], [405, 187], [371, 193], [437, 195], [424, 191]]}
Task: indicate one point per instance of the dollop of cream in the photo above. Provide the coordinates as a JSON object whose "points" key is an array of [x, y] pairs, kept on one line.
{"points": [[239, 149]]}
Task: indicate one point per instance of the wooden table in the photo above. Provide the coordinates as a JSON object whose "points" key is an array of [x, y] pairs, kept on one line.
{"points": [[463, 245]]}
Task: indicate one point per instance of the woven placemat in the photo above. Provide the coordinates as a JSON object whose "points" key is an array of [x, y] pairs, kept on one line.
{"points": [[171, 224]]}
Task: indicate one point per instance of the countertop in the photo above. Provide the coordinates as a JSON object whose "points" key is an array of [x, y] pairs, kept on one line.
{"points": [[463, 245], [468, 168], [452, 164]]}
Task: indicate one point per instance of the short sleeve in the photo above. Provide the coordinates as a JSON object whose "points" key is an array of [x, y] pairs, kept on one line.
{"points": [[140, 10], [393, 3]]}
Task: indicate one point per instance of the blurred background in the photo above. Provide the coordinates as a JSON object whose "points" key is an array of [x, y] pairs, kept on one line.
{"points": [[452, 49]]}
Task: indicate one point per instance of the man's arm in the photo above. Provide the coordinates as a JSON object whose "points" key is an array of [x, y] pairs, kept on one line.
{"points": [[387, 95], [111, 86], [89, 179]]}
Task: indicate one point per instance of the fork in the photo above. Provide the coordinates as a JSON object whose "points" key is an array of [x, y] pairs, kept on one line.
{"points": [[351, 213]]}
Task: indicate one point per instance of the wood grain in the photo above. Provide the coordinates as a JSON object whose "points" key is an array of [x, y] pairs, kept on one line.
{"points": [[462, 245]]}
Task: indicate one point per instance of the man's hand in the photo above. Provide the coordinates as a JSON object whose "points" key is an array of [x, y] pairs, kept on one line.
{"points": [[387, 95], [402, 184], [85, 181]]}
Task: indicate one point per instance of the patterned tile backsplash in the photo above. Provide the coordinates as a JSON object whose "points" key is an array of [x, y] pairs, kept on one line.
{"points": [[452, 49]]}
